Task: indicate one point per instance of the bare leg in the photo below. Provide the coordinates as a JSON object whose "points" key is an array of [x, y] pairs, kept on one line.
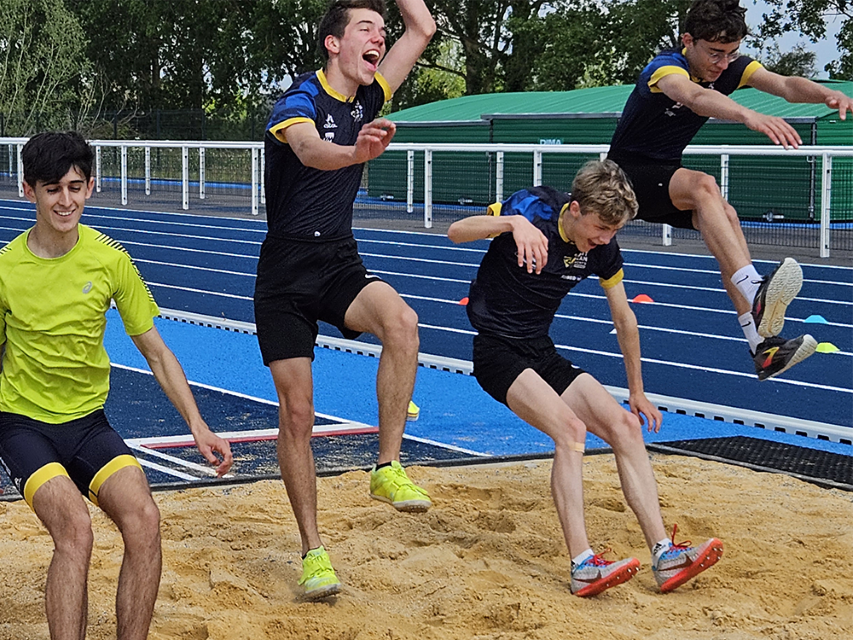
{"points": [[295, 388], [126, 498], [61, 508], [380, 310], [623, 432], [535, 402], [718, 223]]}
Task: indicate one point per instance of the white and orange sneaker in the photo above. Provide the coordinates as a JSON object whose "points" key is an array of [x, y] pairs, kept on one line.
{"points": [[681, 562]]}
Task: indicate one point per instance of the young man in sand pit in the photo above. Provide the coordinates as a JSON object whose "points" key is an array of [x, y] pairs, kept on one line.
{"points": [[320, 134], [675, 95], [546, 242], [56, 284]]}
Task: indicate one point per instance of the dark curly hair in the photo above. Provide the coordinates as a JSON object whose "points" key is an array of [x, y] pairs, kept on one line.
{"points": [[336, 19], [716, 21], [48, 156]]}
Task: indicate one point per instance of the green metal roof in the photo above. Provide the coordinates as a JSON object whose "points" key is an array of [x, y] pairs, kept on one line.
{"points": [[597, 100]]}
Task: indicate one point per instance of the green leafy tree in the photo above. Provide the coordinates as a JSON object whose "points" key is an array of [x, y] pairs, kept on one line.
{"points": [[799, 61], [810, 17], [41, 57]]}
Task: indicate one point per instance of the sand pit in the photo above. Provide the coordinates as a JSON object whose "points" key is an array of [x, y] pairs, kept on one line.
{"points": [[487, 562]]}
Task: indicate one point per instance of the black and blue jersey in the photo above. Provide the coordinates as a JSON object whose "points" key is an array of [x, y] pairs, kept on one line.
{"points": [[505, 300], [653, 125], [311, 203]]}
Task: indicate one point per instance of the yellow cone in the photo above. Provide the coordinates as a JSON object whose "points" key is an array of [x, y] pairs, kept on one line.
{"points": [[827, 347], [413, 413]]}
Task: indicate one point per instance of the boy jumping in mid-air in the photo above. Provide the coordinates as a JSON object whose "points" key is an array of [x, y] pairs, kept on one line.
{"points": [[545, 243]]}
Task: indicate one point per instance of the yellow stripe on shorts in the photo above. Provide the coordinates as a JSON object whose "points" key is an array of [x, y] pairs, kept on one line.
{"points": [[119, 462], [48, 472]]}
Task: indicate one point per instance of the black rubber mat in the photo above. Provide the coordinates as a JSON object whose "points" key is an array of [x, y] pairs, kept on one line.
{"points": [[820, 467]]}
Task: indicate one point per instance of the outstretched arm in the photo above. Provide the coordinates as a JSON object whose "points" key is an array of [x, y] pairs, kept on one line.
{"points": [[420, 28], [795, 89], [532, 243], [316, 153], [713, 104], [628, 336], [169, 374]]}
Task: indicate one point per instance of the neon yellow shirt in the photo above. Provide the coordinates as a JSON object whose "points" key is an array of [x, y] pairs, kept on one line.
{"points": [[52, 321]]}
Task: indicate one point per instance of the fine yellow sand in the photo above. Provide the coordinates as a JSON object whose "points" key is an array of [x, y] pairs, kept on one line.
{"points": [[488, 561]]}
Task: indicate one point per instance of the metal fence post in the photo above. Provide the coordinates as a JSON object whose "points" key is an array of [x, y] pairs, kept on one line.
{"points": [[537, 168], [147, 171], [254, 181], [261, 170], [185, 177], [20, 172], [499, 177], [427, 189], [666, 235], [98, 169], [201, 173], [825, 204], [123, 174], [724, 175], [410, 181]]}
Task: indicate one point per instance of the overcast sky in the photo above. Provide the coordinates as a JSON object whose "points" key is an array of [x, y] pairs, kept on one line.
{"points": [[826, 49]]}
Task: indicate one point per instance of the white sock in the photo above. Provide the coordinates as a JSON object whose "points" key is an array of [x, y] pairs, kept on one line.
{"points": [[577, 560], [747, 280], [747, 323], [659, 548]]}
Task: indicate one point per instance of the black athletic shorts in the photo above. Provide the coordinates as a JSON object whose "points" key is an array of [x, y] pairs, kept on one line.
{"points": [[650, 180], [88, 450], [499, 361], [300, 282]]}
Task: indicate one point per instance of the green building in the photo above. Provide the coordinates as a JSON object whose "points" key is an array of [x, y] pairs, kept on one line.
{"points": [[759, 187]]}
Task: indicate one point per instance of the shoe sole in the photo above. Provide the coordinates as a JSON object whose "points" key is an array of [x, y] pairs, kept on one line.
{"points": [[709, 554], [322, 592], [409, 506], [806, 349], [781, 291], [624, 574]]}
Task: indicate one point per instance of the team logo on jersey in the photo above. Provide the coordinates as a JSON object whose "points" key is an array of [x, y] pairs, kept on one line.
{"points": [[87, 287], [330, 122], [671, 111], [577, 261], [357, 112], [329, 136]]}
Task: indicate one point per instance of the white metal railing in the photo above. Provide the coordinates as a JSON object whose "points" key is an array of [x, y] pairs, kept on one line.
{"points": [[255, 151]]}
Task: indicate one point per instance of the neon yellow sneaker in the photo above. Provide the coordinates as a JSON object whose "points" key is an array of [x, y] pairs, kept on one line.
{"points": [[413, 412], [392, 485], [318, 577]]}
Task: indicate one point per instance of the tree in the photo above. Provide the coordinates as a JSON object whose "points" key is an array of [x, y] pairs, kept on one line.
{"points": [[809, 17], [797, 62], [41, 56]]}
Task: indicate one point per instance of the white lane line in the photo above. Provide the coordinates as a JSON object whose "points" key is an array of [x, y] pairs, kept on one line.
{"points": [[201, 291], [195, 268], [204, 251], [451, 447], [683, 365], [90, 214], [174, 460], [167, 470]]}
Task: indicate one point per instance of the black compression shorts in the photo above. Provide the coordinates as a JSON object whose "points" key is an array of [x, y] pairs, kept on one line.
{"points": [[88, 450], [499, 361], [300, 282], [650, 180]]}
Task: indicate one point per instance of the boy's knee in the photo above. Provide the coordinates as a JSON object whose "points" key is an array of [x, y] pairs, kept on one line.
{"points": [[74, 535], [572, 437], [401, 331], [296, 419]]}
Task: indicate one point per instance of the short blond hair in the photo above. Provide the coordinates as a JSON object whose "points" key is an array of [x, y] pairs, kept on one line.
{"points": [[601, 187]]}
